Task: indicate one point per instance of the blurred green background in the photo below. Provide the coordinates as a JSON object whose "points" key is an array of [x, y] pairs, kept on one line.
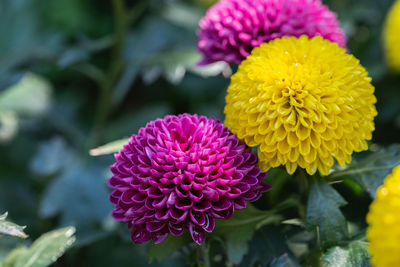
{"points": [[75, 74]]}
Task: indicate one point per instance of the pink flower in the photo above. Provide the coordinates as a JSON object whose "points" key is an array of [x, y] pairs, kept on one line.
{"points": [[232, 28], [182, 172]]}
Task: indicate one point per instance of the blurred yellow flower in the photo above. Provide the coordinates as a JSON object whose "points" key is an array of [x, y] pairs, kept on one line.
{"points": [[391, 37], [304, 102], [384, 223]]}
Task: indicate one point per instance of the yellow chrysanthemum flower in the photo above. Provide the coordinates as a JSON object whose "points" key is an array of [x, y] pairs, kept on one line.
{"points": [[384, 223], [391, 37], [303, 102]]}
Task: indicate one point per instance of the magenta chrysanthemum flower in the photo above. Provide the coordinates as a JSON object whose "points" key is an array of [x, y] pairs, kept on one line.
{"points": [[232, 28], [182, 172]]}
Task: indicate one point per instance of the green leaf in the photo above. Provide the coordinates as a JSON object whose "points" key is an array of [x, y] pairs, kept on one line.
{"points": [[268, 244], [175, 64], [50, 157], [166, 248], [238, 230], [8, 125], [131, 122], [354, 255], [183, 15], [6, 246], [46, 249], [109, 148], [124, 84], [14, 255], [372, 170], [212, 69], [30, 96], [24, 34], [324, 215], [163, 48], [86, 184], [284, 261], [11, 229]]}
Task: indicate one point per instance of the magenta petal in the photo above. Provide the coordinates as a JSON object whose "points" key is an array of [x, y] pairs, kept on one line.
{"points": [[168, 187], [126, 196], [195, 196], [197, 233], [182, 172], [239, 203], [139, 198], [237, 177], [209, 224], [222, 189], [211, 194], [172, 199], [149, 204], [162, 214], [155, 226], [238, 160], [153, 192], [202, 206], [243, 187], [118, 215], [224, 214], [197, 218], [252, 160], [180, 192], [176, 229], [184, 204], [140, 235], [114, 196], [250, 180], [232, 28], [234, 193], [222, 204], [135, 209], [158, 238], [249, 195], [178, 215], [255, 172], [265, 187]]}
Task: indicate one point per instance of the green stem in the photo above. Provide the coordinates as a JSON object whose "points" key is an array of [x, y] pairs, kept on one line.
{"points": [[121, 26], [203, 255], [104, 105], [136, 12], [340, 175], [303, 184]]}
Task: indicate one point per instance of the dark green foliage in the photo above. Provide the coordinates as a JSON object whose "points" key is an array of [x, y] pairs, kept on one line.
{"points": [[238, 230], [11, 229], [370, 172], [354, 255], [324, 215], [168, 248], [269, 248]]}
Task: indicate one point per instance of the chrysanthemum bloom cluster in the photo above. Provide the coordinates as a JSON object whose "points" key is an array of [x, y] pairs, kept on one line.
{"points": [[384, 223], [392, 37], [182, 172], [232, 28], [304, 102]]}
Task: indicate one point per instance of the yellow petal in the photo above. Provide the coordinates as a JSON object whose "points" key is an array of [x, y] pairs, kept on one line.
{"points": [[304, 147], [283, 147], [291, 167], [302, 132]]}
